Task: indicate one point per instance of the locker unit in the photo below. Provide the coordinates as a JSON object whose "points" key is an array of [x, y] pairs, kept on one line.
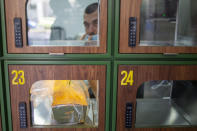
{"points": [[151, 96], [64, 96], [57, 27], [156, 26]]}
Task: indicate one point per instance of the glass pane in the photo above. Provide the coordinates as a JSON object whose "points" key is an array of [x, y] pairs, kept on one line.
{"points": [[72, 103], [166, 103], [156, 89], [168, 23], [63, 22]]}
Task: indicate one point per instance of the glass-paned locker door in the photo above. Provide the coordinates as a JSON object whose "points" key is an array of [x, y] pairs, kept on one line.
{"points": [[158, 26], [156, 97], [51, 26], [58, 97]]}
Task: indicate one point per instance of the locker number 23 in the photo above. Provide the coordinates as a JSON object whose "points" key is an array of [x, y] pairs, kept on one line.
{"points": [[19, 78], [128, 78]]}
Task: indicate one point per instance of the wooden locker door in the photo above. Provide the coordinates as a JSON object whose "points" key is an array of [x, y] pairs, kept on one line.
{"points": [[141, 74], [131, 8], [17, 8], [33, 73]]}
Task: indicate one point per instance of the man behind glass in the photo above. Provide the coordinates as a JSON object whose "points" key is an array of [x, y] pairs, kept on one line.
{"points": [[90, 22]]}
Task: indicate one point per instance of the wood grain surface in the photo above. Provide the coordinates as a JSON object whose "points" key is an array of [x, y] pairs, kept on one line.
{"points": [[35, 73], [17, 8], [131, 8], [143, 74]]}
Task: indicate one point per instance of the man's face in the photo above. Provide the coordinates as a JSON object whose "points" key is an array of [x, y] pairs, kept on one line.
{"points": [[91, 22]]}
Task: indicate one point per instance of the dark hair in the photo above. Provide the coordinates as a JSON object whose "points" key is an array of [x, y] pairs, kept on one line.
{"points": [[91, 8]]}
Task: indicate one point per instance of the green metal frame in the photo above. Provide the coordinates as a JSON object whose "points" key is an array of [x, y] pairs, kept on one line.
{"points": [[108, 71], [65, 56], [2, 107], [140, 56], [115, 79], [1, 50]]}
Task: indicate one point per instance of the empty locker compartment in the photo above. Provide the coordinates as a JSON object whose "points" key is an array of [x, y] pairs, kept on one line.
{"points": [[174, 102], [156, 96], [158, 26]]}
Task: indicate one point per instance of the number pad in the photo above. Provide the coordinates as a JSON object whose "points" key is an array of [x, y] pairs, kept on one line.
{"points": [[18, 32], [23, 115], [128, 115], [132, 31]]}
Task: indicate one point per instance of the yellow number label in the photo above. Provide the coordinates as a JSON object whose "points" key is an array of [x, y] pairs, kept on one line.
{"points": [[21, 80], [19, 77], [14, 72], [123, 81], [128, 78]]}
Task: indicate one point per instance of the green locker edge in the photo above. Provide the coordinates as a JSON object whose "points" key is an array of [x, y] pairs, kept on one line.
{"points": [[2, 105], [2, 95], [108, 83]]}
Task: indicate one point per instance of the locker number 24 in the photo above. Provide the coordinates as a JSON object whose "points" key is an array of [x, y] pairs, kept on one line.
{"points": [[128, 78], [19, 77]]}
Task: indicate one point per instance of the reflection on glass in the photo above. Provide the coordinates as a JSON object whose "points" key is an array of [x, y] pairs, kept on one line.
{"points": [[63, 22], [166, 103], [71, 103], [168, 23], [156, 89]]}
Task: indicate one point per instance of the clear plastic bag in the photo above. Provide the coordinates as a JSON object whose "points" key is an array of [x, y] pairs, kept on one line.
{"points": [[67, 102]]}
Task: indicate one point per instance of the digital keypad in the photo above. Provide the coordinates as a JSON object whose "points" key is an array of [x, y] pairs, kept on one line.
{"points": [[18, 32], [23, 115], [128, 115], [132, 31]]}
